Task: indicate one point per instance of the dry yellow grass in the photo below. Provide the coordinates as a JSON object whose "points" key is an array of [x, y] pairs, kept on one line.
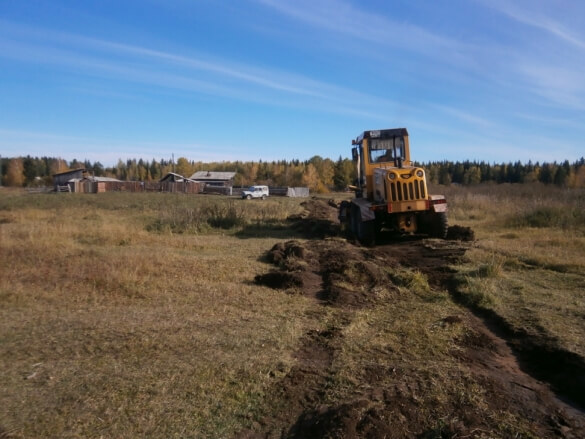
{"points": [[108, 330]]}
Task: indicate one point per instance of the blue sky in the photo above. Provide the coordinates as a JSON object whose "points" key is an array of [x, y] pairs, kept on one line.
{"points": [[213, 80]]}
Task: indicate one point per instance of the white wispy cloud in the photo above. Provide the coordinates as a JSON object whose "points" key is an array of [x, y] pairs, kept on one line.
{"points": [[463, 115], [573, 122], [194, 73], [344, 18], [561, 85], [551, 63], [527, 13], [496, 62]]}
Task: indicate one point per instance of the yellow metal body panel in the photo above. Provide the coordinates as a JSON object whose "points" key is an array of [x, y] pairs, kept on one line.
{"points": [[407, 206]]}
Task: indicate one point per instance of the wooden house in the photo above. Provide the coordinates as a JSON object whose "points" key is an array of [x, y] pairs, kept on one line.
{"points": [[215, 182], [171, 177]]}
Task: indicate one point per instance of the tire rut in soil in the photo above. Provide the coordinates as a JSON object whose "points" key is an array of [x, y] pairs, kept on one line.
{"points": [[538, 355]]}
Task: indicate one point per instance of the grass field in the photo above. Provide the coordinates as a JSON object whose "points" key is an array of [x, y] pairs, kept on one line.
{"points": [[528, 263], [110, 329], [136, 315]]}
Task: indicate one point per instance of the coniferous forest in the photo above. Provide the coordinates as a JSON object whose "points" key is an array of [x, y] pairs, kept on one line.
{"points": [[319, 174]]}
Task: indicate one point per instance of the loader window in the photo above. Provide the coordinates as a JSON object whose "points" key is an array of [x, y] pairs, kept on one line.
{"points": [[380, 155], [386, 150]]}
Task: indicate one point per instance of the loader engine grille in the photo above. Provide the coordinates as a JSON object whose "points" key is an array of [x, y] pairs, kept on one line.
{"points": [[408, 190]]}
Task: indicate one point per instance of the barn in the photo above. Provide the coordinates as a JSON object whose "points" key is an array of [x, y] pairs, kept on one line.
{"points": [[62, 180]]}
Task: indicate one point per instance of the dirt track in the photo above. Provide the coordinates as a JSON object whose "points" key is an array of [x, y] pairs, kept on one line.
{"points": [[492, 355]]}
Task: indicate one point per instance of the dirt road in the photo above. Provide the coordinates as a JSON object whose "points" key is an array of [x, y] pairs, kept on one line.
{"points": [[503, 364]]}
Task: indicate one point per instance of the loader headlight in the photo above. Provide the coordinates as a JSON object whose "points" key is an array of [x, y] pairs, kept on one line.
{"points": [[419, 173], [392, 176]]}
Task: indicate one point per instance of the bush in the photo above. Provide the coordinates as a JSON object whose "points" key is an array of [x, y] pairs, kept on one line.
{"points": [[226, 216], [542, 217]]}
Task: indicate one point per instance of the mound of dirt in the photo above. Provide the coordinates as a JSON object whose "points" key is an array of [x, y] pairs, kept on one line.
{"points": [[279, 280], [389, 417], [318, 220], [332, 271], [339, 273], [460, 233], [350, 420], [282, 252]]}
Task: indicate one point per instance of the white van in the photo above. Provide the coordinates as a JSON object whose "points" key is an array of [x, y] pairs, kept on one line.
{"points": [[255, 192]]}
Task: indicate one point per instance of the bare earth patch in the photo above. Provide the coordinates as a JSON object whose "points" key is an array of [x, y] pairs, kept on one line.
{"points": [[388, 398]]}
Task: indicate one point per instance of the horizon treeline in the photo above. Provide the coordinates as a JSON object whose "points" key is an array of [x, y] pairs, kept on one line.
{"points": [[319, 174]]}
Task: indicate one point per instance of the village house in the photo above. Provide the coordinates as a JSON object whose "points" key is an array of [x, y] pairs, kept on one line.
{"points": [[215, 182]]}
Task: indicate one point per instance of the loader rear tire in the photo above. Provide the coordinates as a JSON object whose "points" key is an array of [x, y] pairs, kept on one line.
{"points": [[364, 231], [367, 233], [439, 225]]}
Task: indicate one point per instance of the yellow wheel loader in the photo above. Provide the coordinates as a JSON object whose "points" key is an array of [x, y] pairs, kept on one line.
{"points": [[390, 193]]}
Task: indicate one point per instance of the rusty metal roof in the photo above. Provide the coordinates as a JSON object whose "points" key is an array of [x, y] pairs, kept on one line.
{"points": [[176, 177], [212, 175]]}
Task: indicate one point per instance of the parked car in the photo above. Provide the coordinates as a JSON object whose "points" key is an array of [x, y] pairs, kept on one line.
{"points": [[255, 192]]}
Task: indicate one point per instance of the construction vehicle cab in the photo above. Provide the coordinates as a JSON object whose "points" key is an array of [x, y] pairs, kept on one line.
{"points": [[391, 193]]}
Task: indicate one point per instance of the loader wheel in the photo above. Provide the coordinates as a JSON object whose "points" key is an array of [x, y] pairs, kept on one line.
{"points": [[367, 233], [364, 231], [439, 225]]}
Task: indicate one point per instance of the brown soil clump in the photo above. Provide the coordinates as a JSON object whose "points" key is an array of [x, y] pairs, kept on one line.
{"points": [[460, 233], [319, 220]]}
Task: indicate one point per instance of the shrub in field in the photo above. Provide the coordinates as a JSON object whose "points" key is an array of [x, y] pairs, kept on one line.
{"points": [[226, 216], [542, 217]]}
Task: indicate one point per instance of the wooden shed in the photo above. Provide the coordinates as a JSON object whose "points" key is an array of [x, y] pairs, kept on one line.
{"points": [[63, 179]]}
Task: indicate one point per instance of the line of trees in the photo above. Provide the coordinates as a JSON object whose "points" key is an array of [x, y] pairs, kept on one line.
{"points": [[319, 174]]}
